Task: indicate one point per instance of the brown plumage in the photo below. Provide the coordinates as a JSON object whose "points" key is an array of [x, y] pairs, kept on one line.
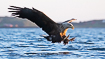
{"points": [[56, 31]]}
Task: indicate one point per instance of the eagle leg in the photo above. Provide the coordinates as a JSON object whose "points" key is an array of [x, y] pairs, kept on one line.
{"points": [[66, 40]]}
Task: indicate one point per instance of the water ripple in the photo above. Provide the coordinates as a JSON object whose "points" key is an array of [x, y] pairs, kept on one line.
{"points": [[26, 43]]}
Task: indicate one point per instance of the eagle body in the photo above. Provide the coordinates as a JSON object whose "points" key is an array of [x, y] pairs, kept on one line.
{"points": [[56, 31]]}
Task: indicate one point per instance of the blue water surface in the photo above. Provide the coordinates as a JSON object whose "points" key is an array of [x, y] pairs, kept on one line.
{"points": [[26, 43]]}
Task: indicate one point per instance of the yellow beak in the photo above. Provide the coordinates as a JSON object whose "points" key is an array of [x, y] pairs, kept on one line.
{"points": [[72, 27]]}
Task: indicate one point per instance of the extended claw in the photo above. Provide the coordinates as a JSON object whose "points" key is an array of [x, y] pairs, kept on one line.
{"points": [[67, 37], [72, 39], [67, 40]]}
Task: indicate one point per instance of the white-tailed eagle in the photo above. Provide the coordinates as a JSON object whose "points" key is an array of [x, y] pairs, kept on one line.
{"points": [[56, 31]]}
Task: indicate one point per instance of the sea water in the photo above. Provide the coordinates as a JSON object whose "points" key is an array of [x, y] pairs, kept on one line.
{"points": [[26, 43]]}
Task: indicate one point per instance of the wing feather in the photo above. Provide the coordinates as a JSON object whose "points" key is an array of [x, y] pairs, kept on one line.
{"points": [[35, 16], [69, 21]]}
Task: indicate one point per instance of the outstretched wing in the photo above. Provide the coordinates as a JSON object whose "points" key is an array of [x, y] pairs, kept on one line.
{"points": [[35, 16], [69, 21]]}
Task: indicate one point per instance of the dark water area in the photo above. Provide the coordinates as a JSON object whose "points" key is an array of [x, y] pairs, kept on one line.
{"points": [[26, 43]]}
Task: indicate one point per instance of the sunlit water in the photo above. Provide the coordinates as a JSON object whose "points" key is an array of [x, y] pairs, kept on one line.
{"points": [[26, 43]]}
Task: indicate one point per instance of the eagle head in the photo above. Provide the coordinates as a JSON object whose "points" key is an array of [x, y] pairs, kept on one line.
{"points": [[68, 25]]}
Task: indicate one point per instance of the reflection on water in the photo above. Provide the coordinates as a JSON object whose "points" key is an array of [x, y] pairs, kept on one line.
{"points": [[26, 43]]}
